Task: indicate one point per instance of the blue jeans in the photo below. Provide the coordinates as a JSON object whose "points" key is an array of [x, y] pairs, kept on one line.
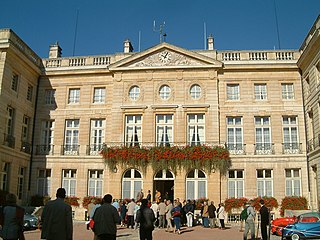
{"points": [[205, 221], [177, 222]]}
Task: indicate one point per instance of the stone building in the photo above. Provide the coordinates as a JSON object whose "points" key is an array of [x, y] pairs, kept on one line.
{"points": [[249, 101]]}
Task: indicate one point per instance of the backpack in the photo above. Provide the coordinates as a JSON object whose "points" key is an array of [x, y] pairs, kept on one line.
{"points": [[244, 214]]}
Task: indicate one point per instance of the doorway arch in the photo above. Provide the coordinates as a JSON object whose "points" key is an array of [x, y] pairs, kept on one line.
{"points": [[163, 181]]}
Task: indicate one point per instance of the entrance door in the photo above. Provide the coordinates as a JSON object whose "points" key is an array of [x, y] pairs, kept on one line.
{"points": [[164, 183]]}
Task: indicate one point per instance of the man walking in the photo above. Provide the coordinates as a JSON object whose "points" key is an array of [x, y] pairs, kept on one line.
{"points": [[130, 212], [249, 223], [145, 217], [212, 215], [106, 219], [57, 218], [264, 217], [162, 214]]}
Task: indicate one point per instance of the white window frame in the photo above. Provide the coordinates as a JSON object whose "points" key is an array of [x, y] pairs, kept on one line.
{"points": [[290, 134], [134, 93], [233, 92], [10, 120], [293, 182], [165, 92], [95, 182], [44, 182], [97, 135], [4, 176], [133, 130], [195, 91], [236, 183], [74, 96], [287, 91], [135, 184], [196, 128], [50, 97], [264, 181], [260, 91], [20, 184], [71, 138], [263, 141], [25, 129], [99, 95], [235, 135], [164, 129], [69, 181], [196, 181], [47, 136]]}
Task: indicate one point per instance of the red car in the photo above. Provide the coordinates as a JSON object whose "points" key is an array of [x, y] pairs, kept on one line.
{"points": [[279, 223]]}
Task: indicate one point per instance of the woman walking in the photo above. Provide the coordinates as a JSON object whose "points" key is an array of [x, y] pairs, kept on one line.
{"points": [[176, 215], [221, 216]]}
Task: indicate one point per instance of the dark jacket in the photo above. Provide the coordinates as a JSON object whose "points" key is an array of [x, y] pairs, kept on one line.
{"points": [[188, 208], [146, 218], [106, 219], [264, 215], [212, 211]]}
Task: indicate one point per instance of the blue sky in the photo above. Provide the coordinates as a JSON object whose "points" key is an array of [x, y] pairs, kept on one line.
{"points": [[103, 25]]}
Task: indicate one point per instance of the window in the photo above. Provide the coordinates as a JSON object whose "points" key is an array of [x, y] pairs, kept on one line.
{"points": [[69, 181], [165, 92], [195, 91], [263, 135], [234, 135], [260, 91], [72, 137], [74, 96], [97, 135], [50, 97], [133, 130], [29, 92], [265, 182], [233, 92], [293, 182], [44, 182], [10, 120], [134, 93], [287, 91], [14, 82], [196, 129], [196, 184], [131, 183], [164, 130], [25, 129], [4, 173], [95, 183], [99, 95], [290, 134], [47, 135], [235, 184], [20, 185]]}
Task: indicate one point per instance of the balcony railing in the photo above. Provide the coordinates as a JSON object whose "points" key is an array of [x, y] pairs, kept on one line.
{"points": [[9, 140], [45, 149], [94, 149], [236, 148], [291, 148], [77, 61], [264, 149], [72, 150], [25, 147]]}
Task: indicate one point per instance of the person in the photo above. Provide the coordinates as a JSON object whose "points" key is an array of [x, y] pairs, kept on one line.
{"points": [[205, 214], [145, 218], [166, 196], [130, 213], [154, 207], [176, 212], [212, 215], [140, 196], [90, 207], [115, 203], [221, 216], [12, 219], [249, 223], [169, 207], [57, 218], [189, 210], [162, 214], [157, 196], [264, 218], [136, 208], [106, 219], [123, 212], [149, 196]]}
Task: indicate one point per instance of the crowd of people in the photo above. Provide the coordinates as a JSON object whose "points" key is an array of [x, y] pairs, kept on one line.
{"points": [[135, 213]]}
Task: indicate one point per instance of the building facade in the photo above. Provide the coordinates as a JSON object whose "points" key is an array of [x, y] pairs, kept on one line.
{"points": [[249, 101]]}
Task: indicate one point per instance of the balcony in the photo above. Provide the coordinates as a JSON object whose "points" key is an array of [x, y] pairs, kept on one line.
{"points": [[25, 147], [94, 149], [44, 149], [70, 150], [264, 149], [236, 148], [9, 140], [291, 148]]}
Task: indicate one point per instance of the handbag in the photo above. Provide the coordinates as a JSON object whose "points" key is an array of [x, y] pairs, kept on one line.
{"points": [[176, 214], [91, 224]]}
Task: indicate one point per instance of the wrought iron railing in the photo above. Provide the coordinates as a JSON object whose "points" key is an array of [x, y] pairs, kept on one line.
{"points": [[264, 148], [45, 149], [236, 148], [291, 148], [70, 149]]}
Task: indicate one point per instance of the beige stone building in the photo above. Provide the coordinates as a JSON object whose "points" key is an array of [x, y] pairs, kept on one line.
{"points": [[250, 101]]}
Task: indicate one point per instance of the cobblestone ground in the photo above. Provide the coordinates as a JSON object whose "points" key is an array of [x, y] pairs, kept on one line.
{"points": [[196, 233]]}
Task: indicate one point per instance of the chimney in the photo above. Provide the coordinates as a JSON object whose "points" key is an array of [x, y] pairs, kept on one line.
{"points": [[127, 47], [55, 50], [210, 42]]}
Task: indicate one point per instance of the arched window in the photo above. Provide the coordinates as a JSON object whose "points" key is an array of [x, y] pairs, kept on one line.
{"points": [[131, 183], [196, 184], [164, 175], [195, 91], [164, 92], [134, 93]]}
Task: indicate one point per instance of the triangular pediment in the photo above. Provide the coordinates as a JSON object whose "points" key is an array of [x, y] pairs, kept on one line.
{"points": [[165, 55]]}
